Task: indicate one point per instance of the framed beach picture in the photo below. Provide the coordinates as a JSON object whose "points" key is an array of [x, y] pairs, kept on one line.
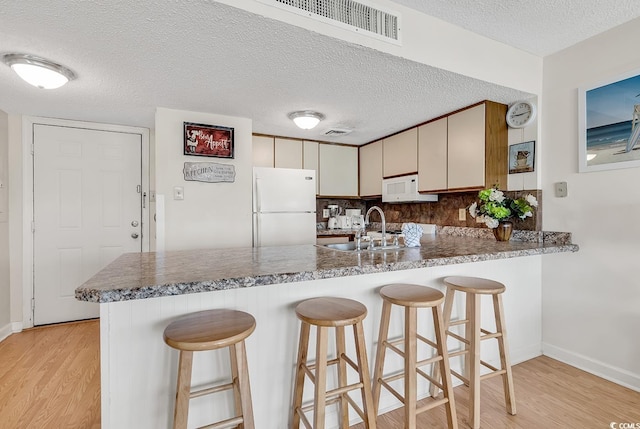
{"points": [[609, 124], [208, 140], [522, 157]]}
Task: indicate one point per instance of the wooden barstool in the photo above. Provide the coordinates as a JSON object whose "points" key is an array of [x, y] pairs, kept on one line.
{"points": [[412, 297], [325, 313], [210, 330], [474, 288]]}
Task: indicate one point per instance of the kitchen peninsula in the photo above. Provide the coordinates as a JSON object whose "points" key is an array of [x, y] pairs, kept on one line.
{"points": [[139, 294]]}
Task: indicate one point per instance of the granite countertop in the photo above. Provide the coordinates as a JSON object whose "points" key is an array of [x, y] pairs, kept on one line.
{"points": [[149, 275]]}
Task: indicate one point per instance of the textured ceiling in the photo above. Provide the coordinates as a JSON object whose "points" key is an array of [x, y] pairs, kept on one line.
{"points": [[199, 55], [541, 27]]}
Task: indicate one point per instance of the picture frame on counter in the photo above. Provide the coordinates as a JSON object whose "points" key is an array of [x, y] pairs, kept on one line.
{"points": [[609, 124], [522, 157], [208, 140]]}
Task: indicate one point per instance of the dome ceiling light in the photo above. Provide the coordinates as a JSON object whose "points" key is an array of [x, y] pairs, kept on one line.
{"points": [[306, 119], [37, 71]]}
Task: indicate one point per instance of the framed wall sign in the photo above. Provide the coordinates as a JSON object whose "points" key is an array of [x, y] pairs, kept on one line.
{"points": [[208, 140], [522, 157], [609, 124]]}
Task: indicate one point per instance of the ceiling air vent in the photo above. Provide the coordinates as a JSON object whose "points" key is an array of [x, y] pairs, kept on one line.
{"points": [[337, 132], [375, 22]]}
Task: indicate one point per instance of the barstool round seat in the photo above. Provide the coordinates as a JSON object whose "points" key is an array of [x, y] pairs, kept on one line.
{"points": [[209, 330], [474, 285], [408, 295], [331, 312]]}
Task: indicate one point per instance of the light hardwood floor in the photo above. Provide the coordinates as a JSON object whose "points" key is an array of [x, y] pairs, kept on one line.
{"points": [[50, 378]]}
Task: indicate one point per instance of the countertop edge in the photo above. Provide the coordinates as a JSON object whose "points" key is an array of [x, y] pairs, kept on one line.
{"points": [[157, 291]]}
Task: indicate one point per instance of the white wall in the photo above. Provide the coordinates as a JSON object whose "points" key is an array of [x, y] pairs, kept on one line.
{"points": [[5, 296], [431, 41], [591, 299], [211, 214]]}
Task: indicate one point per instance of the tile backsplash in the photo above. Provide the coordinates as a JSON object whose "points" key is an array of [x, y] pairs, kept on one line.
{"points": [[442, 213]]}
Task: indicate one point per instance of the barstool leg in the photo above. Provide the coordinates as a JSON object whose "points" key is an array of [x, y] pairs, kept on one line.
{"points": [[183, 390], [380, 353], [441, 341], [320, 397], [410, 362], [363, 372], [237, 396], [473, 336], [507, 377], [239, 364], [342, 376], [446, 319], [303, 349]]}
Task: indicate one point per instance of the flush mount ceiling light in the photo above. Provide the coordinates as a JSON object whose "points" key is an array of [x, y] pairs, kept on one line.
{"points": [[37, 71], [306, 119]]}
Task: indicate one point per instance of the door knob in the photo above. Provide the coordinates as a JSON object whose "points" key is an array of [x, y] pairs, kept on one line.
{"points": [[134, 223], [134, 235]]}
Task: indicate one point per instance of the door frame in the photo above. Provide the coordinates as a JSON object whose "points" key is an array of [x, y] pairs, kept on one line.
{"points": [[28, 122]]}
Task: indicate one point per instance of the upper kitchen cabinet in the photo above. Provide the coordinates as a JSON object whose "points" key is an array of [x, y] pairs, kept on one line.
{"points": [[477, 147], [263, 151], [310, 159], [288, 153], [464, 151], [338, 170], [370, 156], [432, 156], [400, 153]]}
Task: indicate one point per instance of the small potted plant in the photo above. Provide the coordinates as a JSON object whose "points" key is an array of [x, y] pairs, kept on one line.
{"points": [[496, 210]]}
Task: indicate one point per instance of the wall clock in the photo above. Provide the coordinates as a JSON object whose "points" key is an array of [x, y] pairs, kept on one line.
{"points": [[521, 114]]}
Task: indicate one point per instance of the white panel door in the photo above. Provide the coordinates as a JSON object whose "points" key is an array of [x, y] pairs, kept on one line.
{"points": [[87, 212]]}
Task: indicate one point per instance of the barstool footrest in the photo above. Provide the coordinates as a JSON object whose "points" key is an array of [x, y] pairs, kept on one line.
{"points": [[458, 322], [488, 365], [493, 374], [432, 404], [458, 353], [355, 407], [461, 377], [488, 334], [391, 346], [458, 337], [340, 390], [225, 424], [303, 418], [210, 390], [393, 391], [426, 341]]}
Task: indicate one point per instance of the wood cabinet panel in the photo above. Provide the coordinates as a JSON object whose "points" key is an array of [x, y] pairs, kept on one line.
{"points": [[370, 169], [262, 151], [432, 156], [288, 153], [338, 174], [400, 153]]}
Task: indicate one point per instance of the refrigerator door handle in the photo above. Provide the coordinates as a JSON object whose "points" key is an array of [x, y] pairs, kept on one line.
{"points": [[258, 200]]}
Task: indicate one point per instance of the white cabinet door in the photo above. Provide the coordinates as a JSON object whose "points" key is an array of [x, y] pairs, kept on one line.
{"points": [[432, 156], [371, 169], [288, 153], [467, 148], [310, 159], [262, 151], [87, 212], [400, 153], [338, 170]]}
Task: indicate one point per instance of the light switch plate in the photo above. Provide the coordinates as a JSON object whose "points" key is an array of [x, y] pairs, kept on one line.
{"points": [[561, 189], [178, 193]]}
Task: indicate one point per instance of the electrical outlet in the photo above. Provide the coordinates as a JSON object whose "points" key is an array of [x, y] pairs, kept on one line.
{"points": [[325, 213], [561, 189], [462, 214]]}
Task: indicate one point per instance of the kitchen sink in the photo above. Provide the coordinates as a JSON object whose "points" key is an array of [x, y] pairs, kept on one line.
{"points": [[351, 247]]}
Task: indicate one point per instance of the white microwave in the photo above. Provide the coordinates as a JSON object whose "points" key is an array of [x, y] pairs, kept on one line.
{"points": [[404, 189]]}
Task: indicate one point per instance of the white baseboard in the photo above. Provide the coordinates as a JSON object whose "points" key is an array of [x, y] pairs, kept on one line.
{"points": [[601, 369], [10, 328]]}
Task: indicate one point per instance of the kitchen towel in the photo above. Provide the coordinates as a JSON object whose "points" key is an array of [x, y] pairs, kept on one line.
{"points": [[412, 234]]}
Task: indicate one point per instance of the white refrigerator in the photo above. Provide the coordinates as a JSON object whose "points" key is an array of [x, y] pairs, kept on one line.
{"points": [[284, 206]]}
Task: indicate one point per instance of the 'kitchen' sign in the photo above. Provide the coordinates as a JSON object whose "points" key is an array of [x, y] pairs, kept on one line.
{"points": [[210, 172]]}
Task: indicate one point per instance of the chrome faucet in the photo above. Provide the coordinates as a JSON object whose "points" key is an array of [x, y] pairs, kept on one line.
{"points": [[384, 225]]}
